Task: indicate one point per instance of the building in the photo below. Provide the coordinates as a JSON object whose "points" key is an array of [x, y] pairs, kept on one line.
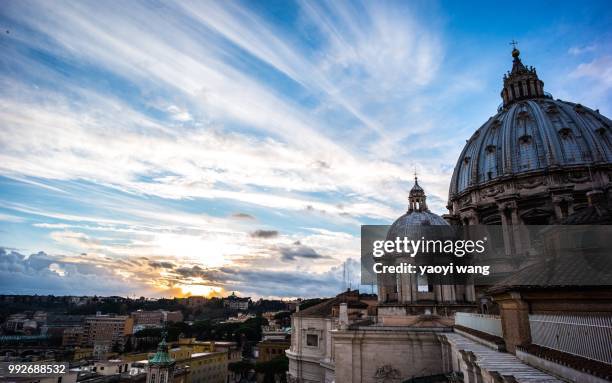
{"points": [[111, 367], [107, 330], [172, 316], [531, 163], [72, 336], [155, 318], [234, 353], [233, 302], [240, 318], [537, 161], [311, 353], [161, 366], [204, 367], [275, 341], [404, 295], [195, 301], [148, 318]]}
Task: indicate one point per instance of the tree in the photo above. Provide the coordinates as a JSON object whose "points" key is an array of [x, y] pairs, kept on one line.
{"points": [[274, 368], [117, 348], [240, 369]]}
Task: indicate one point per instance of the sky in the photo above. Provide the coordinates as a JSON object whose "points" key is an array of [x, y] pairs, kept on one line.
{"points": [[199, 148]]}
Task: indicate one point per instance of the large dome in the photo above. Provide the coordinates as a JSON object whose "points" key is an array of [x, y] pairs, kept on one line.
{"points": [[531, 133]]}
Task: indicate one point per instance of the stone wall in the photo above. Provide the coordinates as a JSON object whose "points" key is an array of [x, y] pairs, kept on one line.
{"points": [[371, 354]]}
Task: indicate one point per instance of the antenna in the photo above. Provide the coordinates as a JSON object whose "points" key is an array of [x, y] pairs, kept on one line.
{"points": [[343, 275], [348, 271]]}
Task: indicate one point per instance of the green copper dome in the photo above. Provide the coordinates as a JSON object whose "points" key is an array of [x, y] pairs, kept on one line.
{"points": [[161, 357]]}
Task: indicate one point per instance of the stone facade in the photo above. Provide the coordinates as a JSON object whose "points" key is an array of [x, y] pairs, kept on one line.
{"points": [[310, 354], [373, 354]]}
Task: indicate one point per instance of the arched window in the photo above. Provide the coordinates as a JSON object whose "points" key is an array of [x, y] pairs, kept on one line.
{"points": [[490, 162], [464, 174], [526, 153], [571, 150]]}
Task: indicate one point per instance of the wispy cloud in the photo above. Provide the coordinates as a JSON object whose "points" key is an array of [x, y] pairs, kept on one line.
{"points": [[201, 143]]}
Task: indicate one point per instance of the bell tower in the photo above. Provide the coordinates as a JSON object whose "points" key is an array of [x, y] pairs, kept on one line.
{"points": [[161, 365]]}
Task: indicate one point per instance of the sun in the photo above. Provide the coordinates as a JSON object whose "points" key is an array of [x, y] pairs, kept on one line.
{"points": [[200, 290]]}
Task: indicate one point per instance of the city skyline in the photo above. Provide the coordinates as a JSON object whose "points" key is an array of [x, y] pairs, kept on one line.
{"points": [[175, 149]]}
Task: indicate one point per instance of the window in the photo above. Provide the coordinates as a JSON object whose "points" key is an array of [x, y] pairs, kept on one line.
{"points": [[526, 153], [423, 285], [312, 340], [491, 162], [571, 151], [464, 175]]}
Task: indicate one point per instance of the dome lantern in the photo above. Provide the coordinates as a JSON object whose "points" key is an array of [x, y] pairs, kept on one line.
{"points": [[521, 82], [417, 197]]}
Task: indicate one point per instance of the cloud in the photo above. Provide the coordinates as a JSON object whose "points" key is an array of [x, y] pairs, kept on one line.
{"points": [[162, 265], [243, 216], [10, 218], [599, 69], [41, 273], [190, 272], [179, 114], [264, 234], [578, 50], [215, 164], [297, 250], [127, 146]]}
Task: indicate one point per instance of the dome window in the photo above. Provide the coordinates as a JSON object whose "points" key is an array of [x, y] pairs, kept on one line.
{"points": [[601, 131], [565, 133], [490, 162], [523, 115], [495, 124], [525, 139], [552, 110], [466, 160], [580, 109]]}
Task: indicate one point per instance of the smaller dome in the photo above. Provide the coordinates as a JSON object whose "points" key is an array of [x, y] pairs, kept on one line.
{"points": [[407, 225], [417, 215]]}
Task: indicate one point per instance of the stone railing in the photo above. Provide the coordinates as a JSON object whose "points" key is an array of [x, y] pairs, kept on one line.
{"points": [[490, 324]]}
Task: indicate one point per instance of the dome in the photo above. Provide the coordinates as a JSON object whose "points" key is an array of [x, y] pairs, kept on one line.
{"points": [[404, 226], [531, 133], [417, 215]]}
